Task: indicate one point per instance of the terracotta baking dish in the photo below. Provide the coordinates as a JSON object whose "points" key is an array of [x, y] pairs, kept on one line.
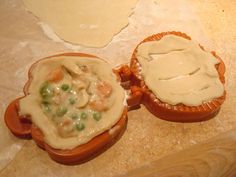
{"points": [[180, 112], [137, 93]]}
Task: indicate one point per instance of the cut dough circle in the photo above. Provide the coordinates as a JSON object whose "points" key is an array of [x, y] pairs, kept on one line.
{"points": [[88, 23]]}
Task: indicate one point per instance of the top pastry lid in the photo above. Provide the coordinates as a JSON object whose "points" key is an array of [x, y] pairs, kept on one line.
{"points": [[182, 81]]}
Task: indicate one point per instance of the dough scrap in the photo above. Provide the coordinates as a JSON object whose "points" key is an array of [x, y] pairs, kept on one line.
{"points": [[88, 23]]}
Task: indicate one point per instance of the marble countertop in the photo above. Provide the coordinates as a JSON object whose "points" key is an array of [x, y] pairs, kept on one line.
{"points": [[22, 42]]}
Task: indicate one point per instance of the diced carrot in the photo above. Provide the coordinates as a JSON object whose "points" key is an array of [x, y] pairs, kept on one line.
{"points": [[66, 128], [98, 105], [104, 89], [55, 75]]}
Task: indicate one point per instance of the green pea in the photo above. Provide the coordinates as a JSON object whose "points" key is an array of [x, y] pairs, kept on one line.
{"points": [[46, 108], [65, 87], [61, 111], [80, 126], [97, 116], [46, 90], [83, 115], [46, 101], [72, 100], [74, 116]]}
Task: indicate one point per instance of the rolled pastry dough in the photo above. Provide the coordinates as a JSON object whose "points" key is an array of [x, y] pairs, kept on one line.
{"points": [[89, 23], [178, 71]]}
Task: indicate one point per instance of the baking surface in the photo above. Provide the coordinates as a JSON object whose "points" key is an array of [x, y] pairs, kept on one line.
{"points": [[22, 42]]}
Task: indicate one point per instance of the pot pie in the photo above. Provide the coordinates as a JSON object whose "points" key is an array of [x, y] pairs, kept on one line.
{"points": [[180, 81], [71, 100]]}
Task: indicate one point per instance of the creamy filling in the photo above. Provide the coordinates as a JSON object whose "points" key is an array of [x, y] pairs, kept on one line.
{"points": [[73, 99], [178, 71]]}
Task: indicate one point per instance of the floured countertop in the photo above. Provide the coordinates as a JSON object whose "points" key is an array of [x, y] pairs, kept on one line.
{"points": [[22, 42]]}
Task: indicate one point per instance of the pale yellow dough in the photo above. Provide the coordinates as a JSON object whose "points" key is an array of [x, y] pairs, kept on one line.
{"points": [[177, 70], [30, 105], [89, 23]]}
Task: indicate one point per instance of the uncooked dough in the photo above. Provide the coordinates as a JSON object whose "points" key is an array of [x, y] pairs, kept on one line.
{"points": [[177, 70], [89, 23], [31, 104]]}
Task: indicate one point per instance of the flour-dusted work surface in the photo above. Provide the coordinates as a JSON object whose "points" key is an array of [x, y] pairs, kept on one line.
{"points": [[147, 139]]}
